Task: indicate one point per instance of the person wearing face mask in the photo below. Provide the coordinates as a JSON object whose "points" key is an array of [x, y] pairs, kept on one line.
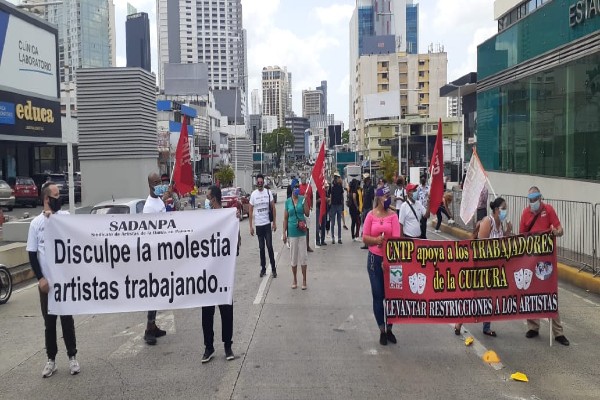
{"points": [[36, 252], [380, 223], [491, 227], [411, 214], [294, 230], [537, 218], [261, 201], [154, 204], [213, 196]]}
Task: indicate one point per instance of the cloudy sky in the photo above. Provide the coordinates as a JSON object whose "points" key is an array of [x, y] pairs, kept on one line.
{"points": [[311, 38]]}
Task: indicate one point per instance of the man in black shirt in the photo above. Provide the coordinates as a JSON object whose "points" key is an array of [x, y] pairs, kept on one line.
{"points": [[337, 206], [368, 197]]}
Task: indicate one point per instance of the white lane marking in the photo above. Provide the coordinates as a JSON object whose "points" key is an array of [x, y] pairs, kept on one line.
{"points": [[347, 325], [479, 348], [25, 287], [580, 297], [165, 320], [263, 284]]}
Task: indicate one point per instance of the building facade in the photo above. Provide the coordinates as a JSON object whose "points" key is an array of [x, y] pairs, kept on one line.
{"points": [[137, 40], [412, 27], [276, 93], [299, 127], [256, 105], [312, 103], [538, 99], [323, 89], [204, 31]]}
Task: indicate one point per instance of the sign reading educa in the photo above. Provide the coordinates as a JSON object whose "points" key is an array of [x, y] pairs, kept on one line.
{"points": [[29, 116], [583, 10]]}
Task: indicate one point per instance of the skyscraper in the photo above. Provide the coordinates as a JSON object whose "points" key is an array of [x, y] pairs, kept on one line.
{"points": [[255, 102], [204, 31], [276, 89], [412, 27], [86, 34], [137, 31], [312, 103], [323, 88]]}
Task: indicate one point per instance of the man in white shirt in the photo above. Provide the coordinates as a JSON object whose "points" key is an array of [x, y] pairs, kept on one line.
{"points": [[400, 194], [154, 204], [261, 201], [411, 214], [36, 250]]}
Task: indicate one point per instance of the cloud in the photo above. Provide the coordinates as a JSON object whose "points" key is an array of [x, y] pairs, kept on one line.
{"points": [[335, 14]]}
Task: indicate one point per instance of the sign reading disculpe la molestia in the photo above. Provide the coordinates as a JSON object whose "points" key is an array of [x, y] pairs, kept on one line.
{"points": [[583, 10]]}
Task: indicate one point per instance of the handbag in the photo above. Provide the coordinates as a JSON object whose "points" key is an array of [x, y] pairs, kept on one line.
{"points": [[301, 224], [270, 207]]}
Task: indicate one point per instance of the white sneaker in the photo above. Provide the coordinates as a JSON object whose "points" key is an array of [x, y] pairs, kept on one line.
{"points": [[49, 369], [437, 231], [74, 366], [451, 221]]}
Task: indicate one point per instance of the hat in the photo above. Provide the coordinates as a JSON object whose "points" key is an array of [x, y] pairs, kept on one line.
{"points": [[382, 191], [366, 175], [336, 173], [411, 186]]}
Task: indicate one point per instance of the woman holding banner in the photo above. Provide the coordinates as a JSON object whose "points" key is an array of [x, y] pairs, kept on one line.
{"points": [[491, 228], [380, 223]]}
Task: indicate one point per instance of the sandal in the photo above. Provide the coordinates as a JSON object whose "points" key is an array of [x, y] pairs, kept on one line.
{"points": [[490, 333], [303, 287], [294, 286], [457, 330]]}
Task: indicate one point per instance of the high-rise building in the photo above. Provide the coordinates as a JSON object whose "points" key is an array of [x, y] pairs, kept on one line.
{"points": [[452, 106], [137, 31], [276, 93], [204, 31], [86, 31], [412, 27], [256, 106], [299, 127], [323, 88], [312, 103]]}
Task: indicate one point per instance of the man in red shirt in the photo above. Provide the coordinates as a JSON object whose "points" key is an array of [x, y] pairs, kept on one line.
{"points": [[541, 217]]}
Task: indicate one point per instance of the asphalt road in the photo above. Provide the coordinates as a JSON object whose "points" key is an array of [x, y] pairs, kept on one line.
{"points": [[321, 343]]}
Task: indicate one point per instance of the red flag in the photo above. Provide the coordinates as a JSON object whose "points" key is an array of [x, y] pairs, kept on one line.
{"points": [[308, 195], [318, 177], [436, 169], [183, 176]]}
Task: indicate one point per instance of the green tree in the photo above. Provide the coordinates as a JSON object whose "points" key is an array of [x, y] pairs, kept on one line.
{"points": [[346, 137], [225, 176], [276, 141], [388, 165]]}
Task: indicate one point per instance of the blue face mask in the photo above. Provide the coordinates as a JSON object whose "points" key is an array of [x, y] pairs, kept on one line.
{"points": [[296, 192], [207, 204], [502, 214], [159, 190], [535, 206], [387, 203], [415, 196]]}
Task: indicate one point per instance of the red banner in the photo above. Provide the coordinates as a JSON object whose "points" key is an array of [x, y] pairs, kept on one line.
{"points": [[183, 176], [436, 169], [428, 281]]}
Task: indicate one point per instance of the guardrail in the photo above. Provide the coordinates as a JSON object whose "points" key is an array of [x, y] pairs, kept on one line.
{"points": [[579, 246]]}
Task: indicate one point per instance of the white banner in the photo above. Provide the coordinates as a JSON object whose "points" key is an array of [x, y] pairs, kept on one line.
{"points": [[472, 187], [120, 263]]}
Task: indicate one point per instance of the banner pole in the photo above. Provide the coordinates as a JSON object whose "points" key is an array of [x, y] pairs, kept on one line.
{"points": [[485, 172], [550, 330]]}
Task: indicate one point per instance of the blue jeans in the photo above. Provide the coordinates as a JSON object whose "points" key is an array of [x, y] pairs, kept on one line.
{"points": [[375, 269], [336, 210], [320, 225]]}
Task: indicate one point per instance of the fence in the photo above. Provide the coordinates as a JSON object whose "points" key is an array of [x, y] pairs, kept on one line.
{"points": [[580, 221]]}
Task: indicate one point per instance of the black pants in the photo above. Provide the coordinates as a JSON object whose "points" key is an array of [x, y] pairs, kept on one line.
{"points": [[265, 236], [441, 210], [320, 225], [208, 320], [355, 226], [68, 330]]}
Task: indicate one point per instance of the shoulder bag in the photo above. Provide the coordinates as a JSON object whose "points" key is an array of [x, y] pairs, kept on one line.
{"points": [[423, 226], [301, 224], [270, 207]]}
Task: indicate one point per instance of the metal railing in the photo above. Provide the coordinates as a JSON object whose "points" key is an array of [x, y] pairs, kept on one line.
{"points": [[578, 247]]}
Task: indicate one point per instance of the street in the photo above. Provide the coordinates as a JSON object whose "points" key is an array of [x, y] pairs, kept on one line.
{"points": [[319, 343]]}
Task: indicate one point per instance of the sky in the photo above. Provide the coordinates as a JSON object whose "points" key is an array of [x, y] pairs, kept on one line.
{"points": [[311, 39]]}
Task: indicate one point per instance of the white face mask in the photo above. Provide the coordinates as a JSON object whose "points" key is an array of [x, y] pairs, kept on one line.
{"points": [[207, 204]]}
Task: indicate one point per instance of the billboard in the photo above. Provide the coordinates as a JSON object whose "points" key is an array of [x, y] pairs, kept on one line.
{"points": [[28, 54], [29, 116], [382, 105], [186, 79]]}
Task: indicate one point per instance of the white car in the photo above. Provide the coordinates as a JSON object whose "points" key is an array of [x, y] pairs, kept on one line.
{"points": [[120, 206]]}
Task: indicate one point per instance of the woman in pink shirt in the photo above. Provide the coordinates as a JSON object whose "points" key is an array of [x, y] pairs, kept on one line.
{"points": [[379, 224]]}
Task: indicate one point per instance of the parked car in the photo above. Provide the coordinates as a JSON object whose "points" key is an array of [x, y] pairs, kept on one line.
{"points": [[119, 206], [26, 192], [235, 197], [61, 181], [7, 196]]}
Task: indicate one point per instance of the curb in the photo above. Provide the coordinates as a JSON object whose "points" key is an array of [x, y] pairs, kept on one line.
{"points": [[566, 273]]}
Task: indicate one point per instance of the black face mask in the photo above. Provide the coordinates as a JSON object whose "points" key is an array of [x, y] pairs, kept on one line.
{"points": [[54, 203]]}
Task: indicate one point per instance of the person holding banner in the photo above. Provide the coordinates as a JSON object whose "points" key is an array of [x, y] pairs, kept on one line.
{"points": [[412, 212], [213, 194], [381, 223], [154, 204], [536, 218], [294, 229], [36, 251], [492, 228]]}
